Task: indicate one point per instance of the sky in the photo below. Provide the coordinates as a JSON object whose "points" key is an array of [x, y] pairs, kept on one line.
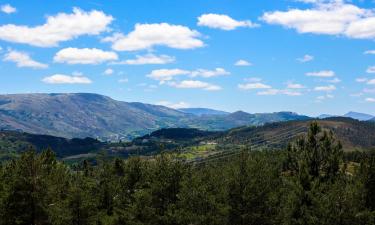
{"points": [[307, 56]]}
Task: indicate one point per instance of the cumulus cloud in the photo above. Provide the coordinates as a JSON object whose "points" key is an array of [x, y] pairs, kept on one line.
{"points": [[243, 62], [295, 86], [195, 84], [23, 59], [174, 105], [280, 92], [371, 69], [223, 22], [334, 80], [148, 59], [8, 9], [305, 58], [325, 88], [361, 80], [84, 56], [369, 52], [252, 86], [323, 73], [371, 82], [209, 73], [370, 100], [58, 28], [66, 79], [163, 75], [108, 71], [327, 17], [146, 36], [123, 80], [324, 97]]}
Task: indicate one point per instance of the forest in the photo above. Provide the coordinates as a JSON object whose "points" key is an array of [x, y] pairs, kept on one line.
{"points": [[312, 181]]}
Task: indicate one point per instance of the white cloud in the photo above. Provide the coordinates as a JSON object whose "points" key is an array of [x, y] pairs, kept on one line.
{"points": [[324, 97], [281, 92], [146, 36], [370, 99], [253, 79], [84, 56], [163, 75], [62, 27], [195, 84], [323, 73], [327, 17], [66, 79], [369, 52], [371, 69], [305, 58], [209, 73], [108, 71], [223, 22], [361, 80], [325, 88], [252, 86], [8, 9], [243, 62], [148, 59], [22, 59], [177, 105], [334, 80], [367, 90], [123, 80], [372, 81], [295, 86]]}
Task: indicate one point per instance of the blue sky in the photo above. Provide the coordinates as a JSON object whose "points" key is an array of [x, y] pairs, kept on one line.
{"points": [[306, 56]]}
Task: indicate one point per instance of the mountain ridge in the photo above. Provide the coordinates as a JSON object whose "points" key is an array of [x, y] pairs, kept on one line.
{"points": [[80, 115]]}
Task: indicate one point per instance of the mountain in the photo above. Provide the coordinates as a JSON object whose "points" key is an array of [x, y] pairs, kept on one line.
{"points": [[83, 115], [240, 118], [359, 116], [325, 116], [202, 111]]}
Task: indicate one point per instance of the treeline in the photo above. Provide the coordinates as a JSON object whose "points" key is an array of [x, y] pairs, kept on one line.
{"points": [[309, 183]]}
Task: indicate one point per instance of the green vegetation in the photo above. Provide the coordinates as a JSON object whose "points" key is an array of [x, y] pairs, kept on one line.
{"points": [[310, 182]]}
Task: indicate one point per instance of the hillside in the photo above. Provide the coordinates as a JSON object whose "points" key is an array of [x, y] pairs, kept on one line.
{"points": [[83, 115], [12, 143], [91, 115], [352, 133]]}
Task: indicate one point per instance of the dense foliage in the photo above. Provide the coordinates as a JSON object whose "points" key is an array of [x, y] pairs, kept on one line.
{"points": [[309, 183]]}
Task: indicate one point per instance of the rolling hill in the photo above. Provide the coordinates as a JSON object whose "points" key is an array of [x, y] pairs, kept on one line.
{"points": [[83, 115], [12, 143]]}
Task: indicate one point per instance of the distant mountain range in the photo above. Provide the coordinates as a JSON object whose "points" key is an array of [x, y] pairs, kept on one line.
{"points": [[203, 111], [83, 115], [353, 115]]}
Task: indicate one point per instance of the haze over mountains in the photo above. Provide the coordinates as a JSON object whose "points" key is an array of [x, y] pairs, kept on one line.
{"points": [[353, 115], [92, 115]]}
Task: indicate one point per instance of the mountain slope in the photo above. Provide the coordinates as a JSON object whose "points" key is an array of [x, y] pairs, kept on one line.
{"points": [[82, 115], [91, 115], [359, 116], [352, 133]]}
